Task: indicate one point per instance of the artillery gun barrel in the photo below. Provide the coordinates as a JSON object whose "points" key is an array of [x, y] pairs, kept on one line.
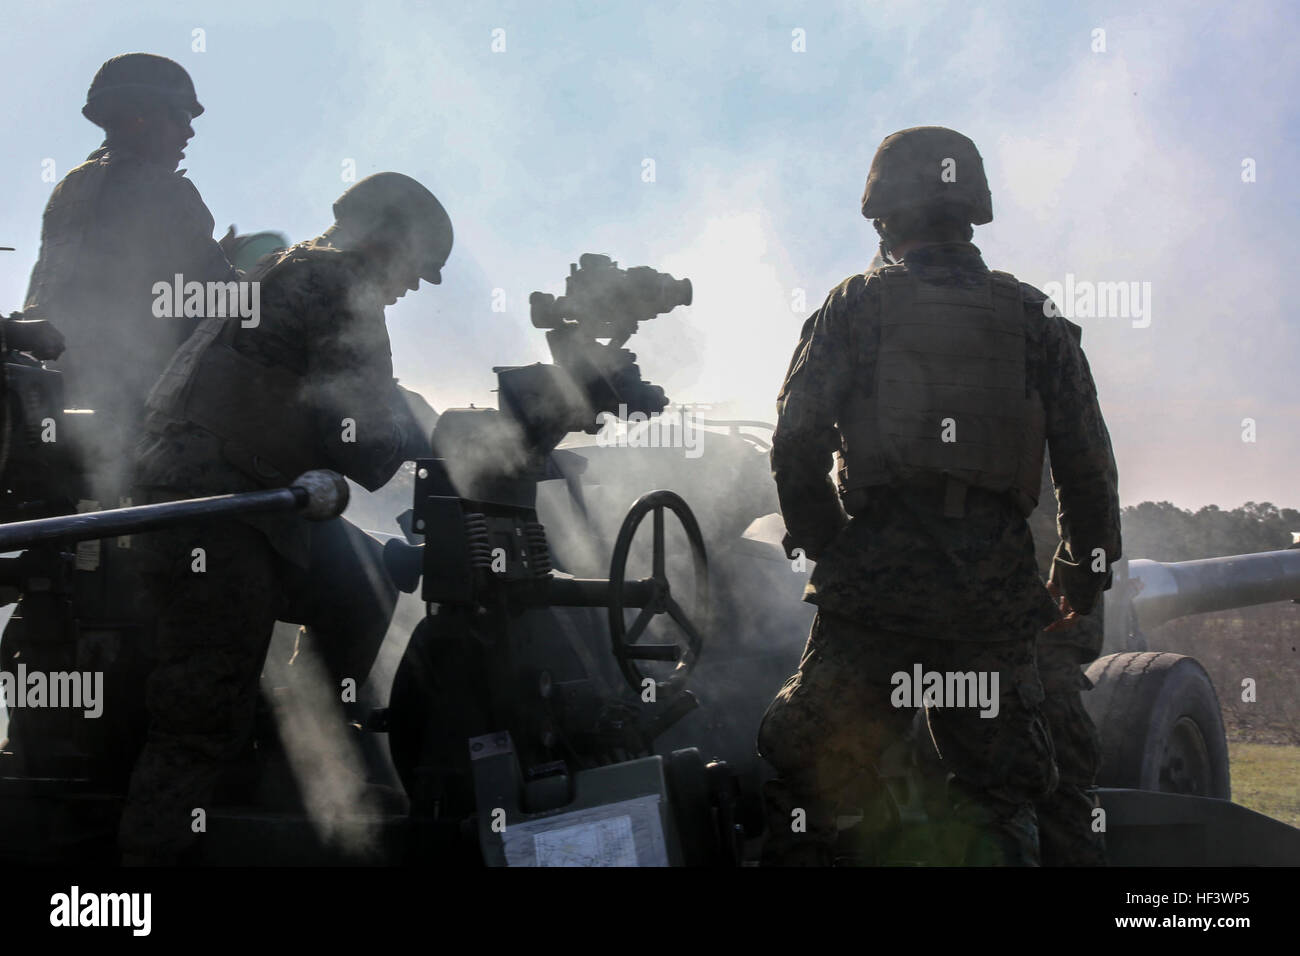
{"points": [[1173, 590], [316, 494]]}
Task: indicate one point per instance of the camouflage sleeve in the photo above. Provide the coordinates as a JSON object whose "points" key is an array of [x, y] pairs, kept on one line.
{"points": [[816, 387], [158, 220], [1083, 468], [366, 424], [200, 251]]}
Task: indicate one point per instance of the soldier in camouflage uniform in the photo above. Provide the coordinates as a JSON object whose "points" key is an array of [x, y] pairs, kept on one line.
{"points": [[937, 382], [117, 224], [114, 226], [311, 386]]}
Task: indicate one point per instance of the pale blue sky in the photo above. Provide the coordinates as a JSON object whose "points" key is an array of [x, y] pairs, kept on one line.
{"points": [[1115, 165]]}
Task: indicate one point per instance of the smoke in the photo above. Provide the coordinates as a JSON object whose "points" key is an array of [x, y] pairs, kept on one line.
{"points": [[756, 624], [755, 627], [325, 759]]}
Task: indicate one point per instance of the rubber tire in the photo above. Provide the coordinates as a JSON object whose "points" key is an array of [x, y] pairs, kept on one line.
{"points": [[1136, 701]]}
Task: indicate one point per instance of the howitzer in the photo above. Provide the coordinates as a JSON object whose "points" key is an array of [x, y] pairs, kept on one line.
{"points": [[1158, 712], [530, 726], [1159, 720], [1146, 594], [477, 501]]}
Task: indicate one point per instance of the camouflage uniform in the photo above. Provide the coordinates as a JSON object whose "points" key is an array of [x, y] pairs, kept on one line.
{"points": [[113, 227], [918, 585], [213, 629], [322, 321], [832, 724], [1065, 816]]}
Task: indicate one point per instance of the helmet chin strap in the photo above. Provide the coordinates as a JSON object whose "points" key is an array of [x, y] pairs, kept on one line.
{"points": [[886, 242]]}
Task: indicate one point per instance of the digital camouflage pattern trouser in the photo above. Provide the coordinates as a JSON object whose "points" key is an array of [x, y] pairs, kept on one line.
{"points": [[213, 629], [214, 626], [832, 728], [1065, 816]]}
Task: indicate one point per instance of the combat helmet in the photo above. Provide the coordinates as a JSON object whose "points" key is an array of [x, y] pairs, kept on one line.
{"points": [[927, 166], [132, 77], [399, 212]]}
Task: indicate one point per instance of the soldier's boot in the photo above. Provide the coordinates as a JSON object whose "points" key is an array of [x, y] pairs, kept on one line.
{"points": [[801, 831], [1000, 833], [1066, 828]]}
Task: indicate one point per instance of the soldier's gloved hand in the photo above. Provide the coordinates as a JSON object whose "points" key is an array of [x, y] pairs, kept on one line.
{"points": [[788, 545], [36, 336], [1069, 616], [791, 546]]}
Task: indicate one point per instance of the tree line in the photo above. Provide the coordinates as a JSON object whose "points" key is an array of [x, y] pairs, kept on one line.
{"points": [[1163, 532]]}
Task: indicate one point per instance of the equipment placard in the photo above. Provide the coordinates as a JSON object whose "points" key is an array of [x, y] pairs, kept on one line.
{"points": [[627, 833]]}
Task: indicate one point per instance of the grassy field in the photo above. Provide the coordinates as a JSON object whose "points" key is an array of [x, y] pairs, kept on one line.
{"points": [[1266, 778], [1263, 728]]}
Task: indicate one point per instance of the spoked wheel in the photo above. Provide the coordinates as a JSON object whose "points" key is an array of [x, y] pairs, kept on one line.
{"points": [[654, 596]]}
